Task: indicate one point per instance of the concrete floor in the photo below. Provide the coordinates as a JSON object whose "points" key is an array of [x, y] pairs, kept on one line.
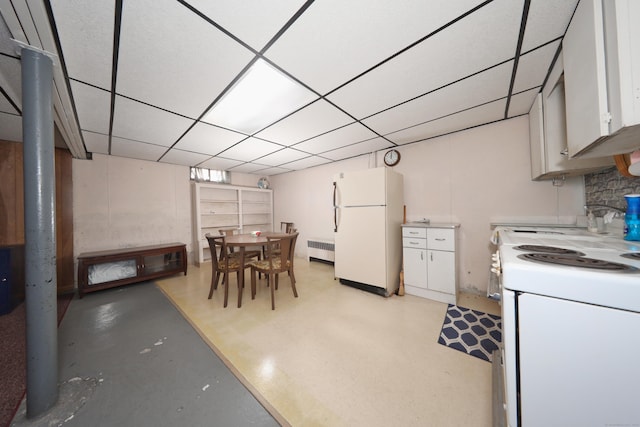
{"points": [[128, 358], [335, 356]]}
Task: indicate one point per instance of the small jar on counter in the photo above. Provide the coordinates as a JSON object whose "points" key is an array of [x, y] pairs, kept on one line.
{"points": [[632, 217]]}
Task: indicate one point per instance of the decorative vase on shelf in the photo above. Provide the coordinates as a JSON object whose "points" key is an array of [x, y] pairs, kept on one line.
{"points": [[263, 183]]}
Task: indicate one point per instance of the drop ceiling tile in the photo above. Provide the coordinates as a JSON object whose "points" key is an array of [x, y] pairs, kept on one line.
{"points": [[136, 150], [186, 158], [254, 22], [283, 156], [533, 67], [335, 40], [93, 106], [483, 87], [85, 29], [207, 139], [360, 148], [486, 113], [11, 79], [346, 135], [546, 21], [311, 121], [482, 39], [165, 35], [272, 171], [10, 127], [20, 20], [307, 162], [140, 122], [250, 149], [521, 103], [6, 45], [96, 142], [219, 163], [6, 107], [249, 168]]}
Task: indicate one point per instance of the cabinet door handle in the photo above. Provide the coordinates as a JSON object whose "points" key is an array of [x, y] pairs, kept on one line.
{"points": [[431, 256], [439, 239], [421, 256]]}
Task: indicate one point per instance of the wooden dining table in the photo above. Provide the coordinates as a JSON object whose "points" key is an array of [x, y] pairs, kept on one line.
{"points": [[243, 241]]}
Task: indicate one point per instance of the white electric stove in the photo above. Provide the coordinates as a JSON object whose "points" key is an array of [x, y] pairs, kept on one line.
{"points": [[577, 266], [571, 321]]}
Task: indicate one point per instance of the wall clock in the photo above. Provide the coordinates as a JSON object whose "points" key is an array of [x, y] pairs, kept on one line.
{"points": [[391, 157]]}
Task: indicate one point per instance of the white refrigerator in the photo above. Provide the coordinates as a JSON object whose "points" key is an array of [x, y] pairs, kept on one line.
{"points": [[368, 213]]}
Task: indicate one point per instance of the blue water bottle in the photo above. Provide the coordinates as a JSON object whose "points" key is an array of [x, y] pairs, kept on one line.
{"points": [[632, 217]]}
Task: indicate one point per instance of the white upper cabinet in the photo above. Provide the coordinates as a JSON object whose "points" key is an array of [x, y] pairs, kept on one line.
{"points": [[548, 134], [602, 78]]}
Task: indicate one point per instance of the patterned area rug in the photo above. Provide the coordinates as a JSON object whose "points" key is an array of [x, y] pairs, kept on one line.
{"points": [[471, 331]]}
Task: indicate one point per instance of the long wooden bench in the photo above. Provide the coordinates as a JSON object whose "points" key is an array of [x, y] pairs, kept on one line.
{"points": [[107, 269]]}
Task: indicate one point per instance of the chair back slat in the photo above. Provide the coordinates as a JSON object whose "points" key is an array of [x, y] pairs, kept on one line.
{"points": [[281, 248], [228, 232], [218, 249], [286, 227]]}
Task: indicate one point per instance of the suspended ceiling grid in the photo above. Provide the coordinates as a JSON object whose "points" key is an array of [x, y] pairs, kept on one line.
{"points": [[136, 78]]}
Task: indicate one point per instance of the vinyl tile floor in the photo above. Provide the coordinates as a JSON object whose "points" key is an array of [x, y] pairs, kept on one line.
{"points": [[339, 356], [334, 356]]}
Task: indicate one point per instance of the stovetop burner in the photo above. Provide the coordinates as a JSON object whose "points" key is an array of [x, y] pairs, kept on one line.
{"points": [[577, 261], [548, 250], [632, 255]]}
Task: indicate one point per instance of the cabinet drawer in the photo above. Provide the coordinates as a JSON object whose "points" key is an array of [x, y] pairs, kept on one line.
{"points": [[412, 242], [420, 233], [441, 239]]}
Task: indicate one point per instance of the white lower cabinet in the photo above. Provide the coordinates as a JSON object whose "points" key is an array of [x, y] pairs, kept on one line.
{"points": [[429, 261]]}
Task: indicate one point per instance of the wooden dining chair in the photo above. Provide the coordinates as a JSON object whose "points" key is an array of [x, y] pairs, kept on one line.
{"points": [[286, 227], [274, 264], [247, 254], [222, 265]]}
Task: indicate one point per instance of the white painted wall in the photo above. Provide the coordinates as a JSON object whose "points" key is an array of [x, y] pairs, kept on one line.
{"points": [[473, 177], [121, 203]]}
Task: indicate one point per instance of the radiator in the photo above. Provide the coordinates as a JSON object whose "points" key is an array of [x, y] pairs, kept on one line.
{"points": [[322, 250]]}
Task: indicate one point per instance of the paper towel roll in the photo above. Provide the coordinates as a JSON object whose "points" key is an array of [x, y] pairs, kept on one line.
{"points": [[634, 167]]}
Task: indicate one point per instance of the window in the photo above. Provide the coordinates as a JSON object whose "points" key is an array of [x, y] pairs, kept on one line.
{"points": [[210, 175]]}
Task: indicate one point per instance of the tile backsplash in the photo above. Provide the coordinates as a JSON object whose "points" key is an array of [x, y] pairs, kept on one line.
{"points": [[609, 187]]}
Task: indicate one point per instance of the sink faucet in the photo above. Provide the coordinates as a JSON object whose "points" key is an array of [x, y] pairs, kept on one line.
{"points": [[618, 211]]}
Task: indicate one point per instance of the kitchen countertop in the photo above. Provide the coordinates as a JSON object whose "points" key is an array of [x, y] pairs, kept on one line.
{"points": [[431, 224], [533, 225]]}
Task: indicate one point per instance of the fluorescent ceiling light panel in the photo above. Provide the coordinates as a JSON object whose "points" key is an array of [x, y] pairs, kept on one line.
{"points": [[262, 96]]}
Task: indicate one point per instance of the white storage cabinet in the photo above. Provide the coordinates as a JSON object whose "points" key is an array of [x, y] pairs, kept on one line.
{"points": [[217, 206], [602, 78], [548, 134], [430, 261]]}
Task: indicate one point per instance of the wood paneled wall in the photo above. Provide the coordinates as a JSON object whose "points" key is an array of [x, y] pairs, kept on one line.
{"points": [[11, 194], [12, 207]]}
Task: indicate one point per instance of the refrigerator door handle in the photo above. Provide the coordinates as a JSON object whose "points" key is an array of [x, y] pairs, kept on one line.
{"points": [[335, 208]]}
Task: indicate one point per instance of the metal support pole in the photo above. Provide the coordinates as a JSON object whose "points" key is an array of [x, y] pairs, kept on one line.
{"points": [[40, 232]]}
